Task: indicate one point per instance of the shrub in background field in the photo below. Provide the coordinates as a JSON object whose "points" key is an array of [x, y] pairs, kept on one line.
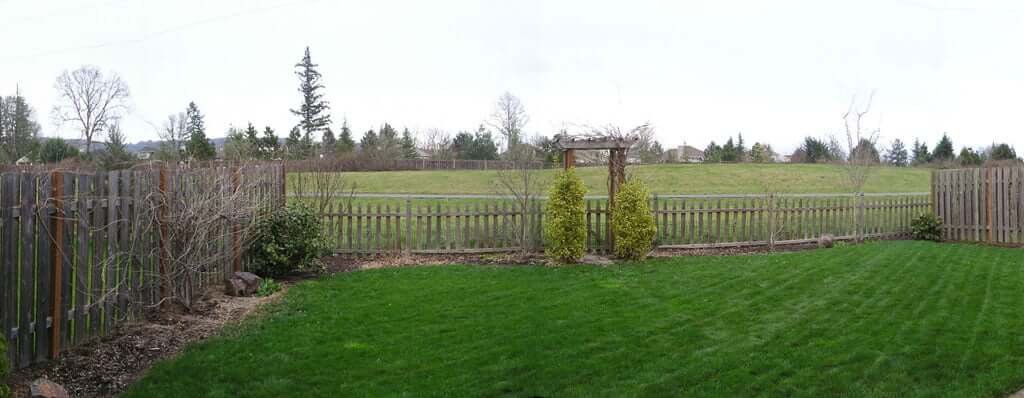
{"points": [[287, 240], [632, 221], [4, 391], [565, 229], [927, 227]]}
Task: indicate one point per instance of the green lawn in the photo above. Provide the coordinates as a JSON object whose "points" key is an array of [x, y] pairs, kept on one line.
{"points": [[880, 319], [663, 179]]}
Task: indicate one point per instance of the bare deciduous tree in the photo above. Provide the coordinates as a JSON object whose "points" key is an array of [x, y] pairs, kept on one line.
{"points": [[90, 100], [175, 132], [523, 182], [437, 144], [508, 119], [861, 157], [859, 161]]}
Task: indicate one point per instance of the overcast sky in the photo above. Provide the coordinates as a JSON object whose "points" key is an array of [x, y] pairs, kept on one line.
{"points": [[697, 70]]}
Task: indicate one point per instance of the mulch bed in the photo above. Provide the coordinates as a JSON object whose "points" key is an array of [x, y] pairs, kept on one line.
{"points": [[108, 365]]}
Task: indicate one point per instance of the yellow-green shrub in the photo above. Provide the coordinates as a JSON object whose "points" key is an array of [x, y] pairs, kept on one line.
{"points": [[633, 222], [565, 229], [4, 391]]}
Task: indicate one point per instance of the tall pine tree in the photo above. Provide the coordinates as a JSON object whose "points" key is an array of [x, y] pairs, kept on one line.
{"points": [[408, 145], [293, 145], [368, 145], [253, 142], [345, 142], [897, 154], [944, 149], [312, 112], [198, 147], [921, 154], [18, 129], [269, 145], [328, 142]]}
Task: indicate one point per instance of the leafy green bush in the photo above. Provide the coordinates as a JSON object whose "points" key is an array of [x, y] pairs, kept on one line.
{"points": [[927, 227], [4, 390], [287, 240], [268, 286], [565, 229], [633, 222]]}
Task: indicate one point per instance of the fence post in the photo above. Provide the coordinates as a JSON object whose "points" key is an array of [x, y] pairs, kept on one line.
{"points": [[284, 183], [162, 221], [859, 223], [989, 191], [57, 251], [771, 221], [236, 230], [408, 226], [654, 212]]}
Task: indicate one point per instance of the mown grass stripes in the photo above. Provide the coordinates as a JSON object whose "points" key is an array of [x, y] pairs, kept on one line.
{"points": [[879, 319]]}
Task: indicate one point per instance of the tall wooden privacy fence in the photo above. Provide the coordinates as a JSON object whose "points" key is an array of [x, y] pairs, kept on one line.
{"points": [[82, 252], [464, 225], [981, 204]]}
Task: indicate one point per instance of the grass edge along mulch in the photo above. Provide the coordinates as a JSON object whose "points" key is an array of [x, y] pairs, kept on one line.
{"points": [[884, 318]]}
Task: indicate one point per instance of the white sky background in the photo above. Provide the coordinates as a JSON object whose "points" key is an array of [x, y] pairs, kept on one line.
{"points": [[697, 70]]}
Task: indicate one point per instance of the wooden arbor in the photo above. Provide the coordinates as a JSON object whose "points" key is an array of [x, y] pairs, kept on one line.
{"points": [[616, 146]]}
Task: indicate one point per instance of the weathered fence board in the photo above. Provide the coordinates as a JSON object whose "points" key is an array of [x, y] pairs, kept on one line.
{"points": [[78, 251], [981, 204]]}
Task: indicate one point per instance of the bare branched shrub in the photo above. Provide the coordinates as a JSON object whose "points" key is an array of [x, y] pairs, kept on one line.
{"points": [[201, 213], [523, 182], [862, 157], [862, 154], [321, 185]]}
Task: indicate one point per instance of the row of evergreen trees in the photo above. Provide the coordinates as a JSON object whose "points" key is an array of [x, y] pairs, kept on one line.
{"points": [[737, 152], [815, 150]]}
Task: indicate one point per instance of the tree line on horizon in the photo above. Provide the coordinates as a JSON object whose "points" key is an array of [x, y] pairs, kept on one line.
{"points": [[183, 136]]}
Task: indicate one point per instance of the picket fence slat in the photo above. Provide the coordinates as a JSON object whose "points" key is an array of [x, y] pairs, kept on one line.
{"points": [[497, 226]]}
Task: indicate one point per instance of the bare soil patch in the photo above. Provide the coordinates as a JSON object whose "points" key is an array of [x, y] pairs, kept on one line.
{"points": [[106, 366]]}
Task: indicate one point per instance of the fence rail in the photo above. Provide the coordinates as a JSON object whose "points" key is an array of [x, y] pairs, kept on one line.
{"points": [[81, 251], [683, 221], [981, 204]]}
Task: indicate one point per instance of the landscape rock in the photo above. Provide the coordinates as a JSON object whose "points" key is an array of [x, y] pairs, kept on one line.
{"points": [[242, 284], [234, 287], [252, 282], [826, 241], [43, 388]]}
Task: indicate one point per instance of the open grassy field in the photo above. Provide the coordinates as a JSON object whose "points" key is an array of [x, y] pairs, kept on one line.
{"points": [[663, 179], [881, 319]]}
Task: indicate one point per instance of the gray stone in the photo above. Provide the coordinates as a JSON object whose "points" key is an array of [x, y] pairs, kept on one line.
{"points": [[826, 241], [250, 280], [234, 287], [43, 388]]}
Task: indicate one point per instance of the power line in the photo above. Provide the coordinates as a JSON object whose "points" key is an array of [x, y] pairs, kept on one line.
{"points": [[155, 34]]}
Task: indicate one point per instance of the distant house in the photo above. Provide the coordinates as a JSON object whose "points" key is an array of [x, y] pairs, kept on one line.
{"points": [[23, 161], [684, 154], [146, 153]]}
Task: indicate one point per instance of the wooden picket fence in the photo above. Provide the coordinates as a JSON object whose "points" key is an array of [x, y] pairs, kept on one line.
{"points": [[683, 221], [81, 251], [981, 204]]}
